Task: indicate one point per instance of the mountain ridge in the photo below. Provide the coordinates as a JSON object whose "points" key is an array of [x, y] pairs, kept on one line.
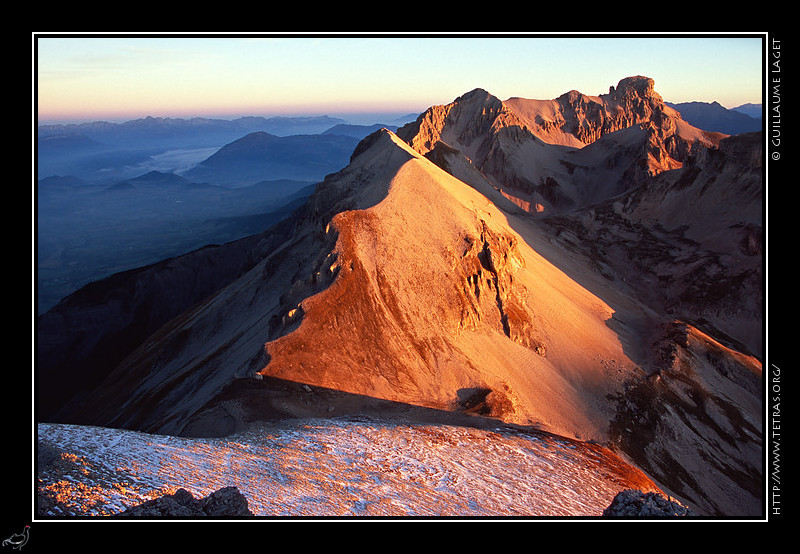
{"points": [[276, 125], [248, 159], [713, 116], [551, 135]]}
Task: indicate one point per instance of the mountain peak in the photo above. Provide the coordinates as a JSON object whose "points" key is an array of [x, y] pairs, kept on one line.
{"points": [[637, 84], [462, 122], [159, 178], [382, 136], [494, 135], [476, 93]]}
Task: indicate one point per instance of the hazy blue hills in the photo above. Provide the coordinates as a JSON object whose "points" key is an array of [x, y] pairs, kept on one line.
{"points": [[195, 131], [358, 131], [712, 116], [87, 231], [113, 196], [67, 142], [101, 150], [753, 110], [250, 158]]}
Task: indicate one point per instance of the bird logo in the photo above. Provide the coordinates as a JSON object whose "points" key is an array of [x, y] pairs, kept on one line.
{"points": [[18, 540]]}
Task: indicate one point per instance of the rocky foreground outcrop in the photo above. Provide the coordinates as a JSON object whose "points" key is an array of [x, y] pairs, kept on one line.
{"points": [[229, 502], [226, 502], [633, 503]]}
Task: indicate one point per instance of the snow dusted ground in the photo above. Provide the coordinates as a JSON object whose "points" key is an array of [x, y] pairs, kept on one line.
{"points": [[345, 467]]}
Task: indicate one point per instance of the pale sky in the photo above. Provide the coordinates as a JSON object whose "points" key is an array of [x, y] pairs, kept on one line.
{"points": [[92, 77]]}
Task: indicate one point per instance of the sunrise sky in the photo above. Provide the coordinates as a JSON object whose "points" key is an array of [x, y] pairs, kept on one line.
{"points": [[96, 77]]}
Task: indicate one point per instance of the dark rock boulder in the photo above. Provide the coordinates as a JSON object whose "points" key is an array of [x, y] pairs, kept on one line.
{"points": [[634, 503], [226, 502]]}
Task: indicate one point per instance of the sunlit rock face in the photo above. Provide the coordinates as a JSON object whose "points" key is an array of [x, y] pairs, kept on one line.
{"points": [[528, 148], [422, 278]]}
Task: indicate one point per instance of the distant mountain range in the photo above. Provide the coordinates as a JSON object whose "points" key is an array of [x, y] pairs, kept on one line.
{"points": [[712, 116], [358, 131], [102, 151], [753, 110], [85, 232], [195, 131], [260, 155]]}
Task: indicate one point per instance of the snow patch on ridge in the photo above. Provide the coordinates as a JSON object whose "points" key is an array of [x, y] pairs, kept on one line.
{"points": [[344, 467]]}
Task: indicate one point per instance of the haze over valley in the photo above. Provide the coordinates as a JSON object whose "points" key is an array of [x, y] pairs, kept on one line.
{"points": [[115, 196]]}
